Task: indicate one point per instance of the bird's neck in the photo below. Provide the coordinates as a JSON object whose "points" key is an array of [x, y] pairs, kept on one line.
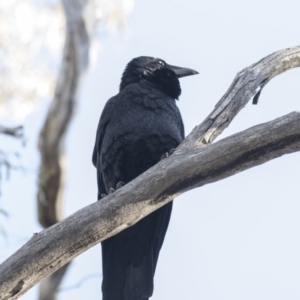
{"points": [[166, 81]]}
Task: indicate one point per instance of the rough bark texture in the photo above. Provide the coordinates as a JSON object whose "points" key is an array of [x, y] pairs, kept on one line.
{"points": [[195, 163], [247, 84], [52, 170]]}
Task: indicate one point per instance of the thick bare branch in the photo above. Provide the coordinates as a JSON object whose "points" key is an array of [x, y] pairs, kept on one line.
{"points": [[189, 167], [57, 245], [246, 85]]}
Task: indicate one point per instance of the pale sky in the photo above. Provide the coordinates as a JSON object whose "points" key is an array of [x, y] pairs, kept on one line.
{"points": [[231, 240]]}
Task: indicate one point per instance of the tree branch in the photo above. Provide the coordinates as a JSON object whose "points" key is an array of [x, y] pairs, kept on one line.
{"points": [[52, 248], [246, 85], [16, 132]]}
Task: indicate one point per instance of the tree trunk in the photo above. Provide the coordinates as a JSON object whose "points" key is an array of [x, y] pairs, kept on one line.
{"points": [[51, 141]]}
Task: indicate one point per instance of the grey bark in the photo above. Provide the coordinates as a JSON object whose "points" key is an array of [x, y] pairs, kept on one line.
{"points": [[79, 17], [246, 85], [195, 163]]}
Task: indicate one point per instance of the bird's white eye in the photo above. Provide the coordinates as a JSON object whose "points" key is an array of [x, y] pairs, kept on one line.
{"points": [[161, 63]]}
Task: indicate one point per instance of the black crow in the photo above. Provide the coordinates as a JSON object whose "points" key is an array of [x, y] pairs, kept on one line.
{"points": [[137, 127]]}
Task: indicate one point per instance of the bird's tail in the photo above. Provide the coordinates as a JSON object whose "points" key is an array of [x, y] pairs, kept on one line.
{"points": [[129, 258]]}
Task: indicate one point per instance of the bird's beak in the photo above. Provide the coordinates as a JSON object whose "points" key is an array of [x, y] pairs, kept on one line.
{"points": [[182, 72]]}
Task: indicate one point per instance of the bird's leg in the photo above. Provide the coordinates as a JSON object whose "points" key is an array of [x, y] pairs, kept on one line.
{"points": [[111, 190], [120, 184], [172, 151], [167, 154]]}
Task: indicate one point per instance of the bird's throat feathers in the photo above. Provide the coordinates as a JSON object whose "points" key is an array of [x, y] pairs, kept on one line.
{"points": [[167, 81]]}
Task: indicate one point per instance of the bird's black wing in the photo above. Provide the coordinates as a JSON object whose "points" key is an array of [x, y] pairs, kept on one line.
{"points": [[103, 123]]}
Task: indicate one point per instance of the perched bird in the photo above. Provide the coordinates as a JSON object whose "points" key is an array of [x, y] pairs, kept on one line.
{"points": [[137, 127]]}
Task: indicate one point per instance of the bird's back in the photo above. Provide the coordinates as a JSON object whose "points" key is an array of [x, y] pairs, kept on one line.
{"points": [[145, 123]]}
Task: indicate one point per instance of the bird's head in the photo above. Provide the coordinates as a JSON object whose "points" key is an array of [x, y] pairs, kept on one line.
{"points": [[155, 70]]}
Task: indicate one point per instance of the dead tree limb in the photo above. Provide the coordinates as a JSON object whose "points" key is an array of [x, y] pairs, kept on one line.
{"points": [[194, 164], [57, 245], [52, 171], [247, 84]]}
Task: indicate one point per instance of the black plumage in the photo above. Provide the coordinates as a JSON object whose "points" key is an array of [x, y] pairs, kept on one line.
{"points": [[137, 127]]}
